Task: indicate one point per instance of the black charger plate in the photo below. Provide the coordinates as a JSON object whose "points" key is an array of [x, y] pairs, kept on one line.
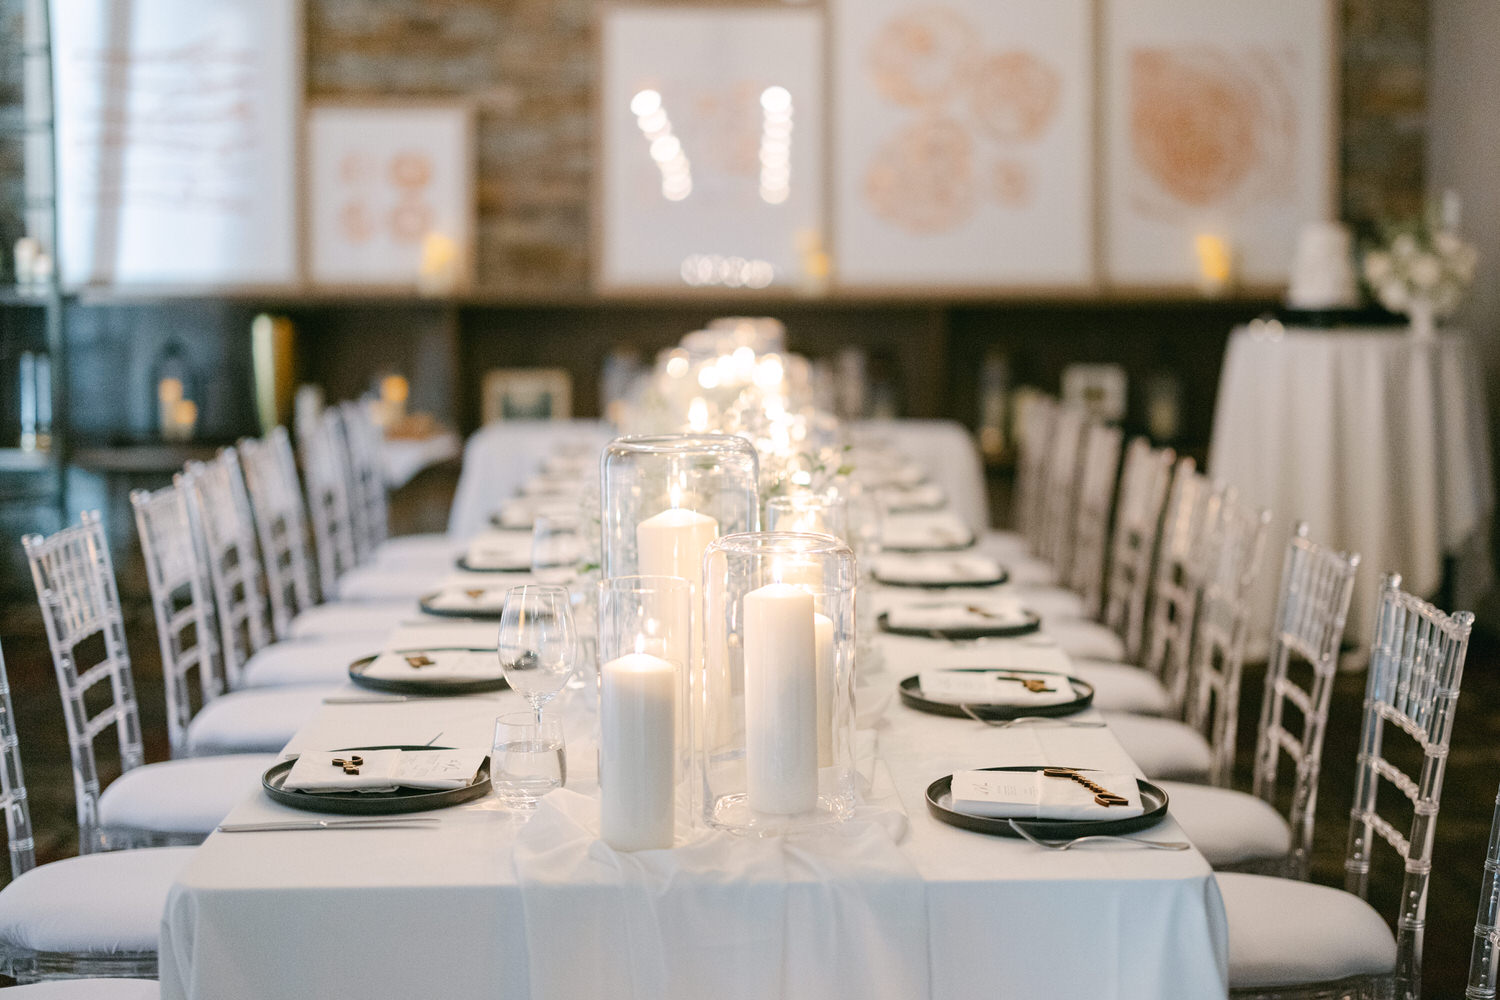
{"points": [[1027, 627], [940, 798], [950, 547], [430, 687], [462, 562], [402, 800], [911, 697], [485, 614], [945, 585]]}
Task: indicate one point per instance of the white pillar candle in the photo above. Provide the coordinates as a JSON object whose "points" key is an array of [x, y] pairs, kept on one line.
{"points": [[781, 700], [637, 752], [823, 658]]}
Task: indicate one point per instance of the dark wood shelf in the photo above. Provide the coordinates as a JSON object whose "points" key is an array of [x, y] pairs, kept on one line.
{"points": [[21, 460], [141, 458]]}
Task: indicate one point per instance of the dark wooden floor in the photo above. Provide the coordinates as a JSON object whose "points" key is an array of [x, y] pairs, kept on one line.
{"points": [[1462, 832]]}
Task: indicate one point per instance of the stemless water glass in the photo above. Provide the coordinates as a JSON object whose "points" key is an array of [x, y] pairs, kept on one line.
{"points": [[556, 544], [528, 759], [538, 642]]}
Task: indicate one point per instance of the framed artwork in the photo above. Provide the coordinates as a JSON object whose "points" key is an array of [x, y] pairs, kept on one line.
{"points": [[177, 126], [963, 143], [526, 394], [712, 148], [1220, 137], [390, 195]]}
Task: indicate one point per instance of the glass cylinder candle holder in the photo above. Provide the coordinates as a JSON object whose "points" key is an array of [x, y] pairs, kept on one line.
{"points": [[825, 513], [773, 712], [645, 638], [666, 497]]}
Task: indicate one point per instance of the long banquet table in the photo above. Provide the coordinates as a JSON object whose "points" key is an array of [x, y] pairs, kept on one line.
{"points": [[452, 911]]}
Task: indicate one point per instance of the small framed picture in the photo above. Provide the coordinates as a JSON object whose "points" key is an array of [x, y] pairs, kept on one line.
{"points": [[527, 394], [1099, 389]]}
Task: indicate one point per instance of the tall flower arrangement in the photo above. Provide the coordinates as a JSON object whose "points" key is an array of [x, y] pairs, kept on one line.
{"points": [[1422, 271]]}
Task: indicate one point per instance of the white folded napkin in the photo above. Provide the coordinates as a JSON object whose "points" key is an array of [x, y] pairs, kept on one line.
{"points": [[929, 530], [517, 513], [550, 486], [489, 600], [1033, 795], [994, 687], [440, 633], [955, 568], [989, 612], [440, 665], [499, 550], [384, 770], [927, 496]]}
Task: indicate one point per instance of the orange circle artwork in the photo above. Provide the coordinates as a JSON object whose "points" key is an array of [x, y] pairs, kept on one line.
{"points": [[1010, 183], [1195, 123], [411, 170], [922, 178], [916, 58], [1013, 95], [411, 221], [354, 221]]}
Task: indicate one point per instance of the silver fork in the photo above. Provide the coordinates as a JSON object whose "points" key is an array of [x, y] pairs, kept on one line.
{"points": [[1028, 719], [1063, 845]]}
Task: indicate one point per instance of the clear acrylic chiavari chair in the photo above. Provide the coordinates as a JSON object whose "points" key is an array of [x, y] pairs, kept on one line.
{"points": [[96, 915], [1037, 422], [276, 501], [1239, 831], [175, 802], [1143, 490], [1294, 939], [1096, 494], [1057, 514], [1190, 538], [1484, 962], [328, 501], [367, 500]]}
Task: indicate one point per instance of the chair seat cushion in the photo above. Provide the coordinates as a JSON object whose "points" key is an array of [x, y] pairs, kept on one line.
{"points": [[1029, 571], [1162, 748], [339, 618], [1288, 933], [182, 796], [307, 661], [392, 583], [1083, 639], [87, 989], [1121, 687], [257, 721], [1226, 826], [1049, 602], [101, 904]]}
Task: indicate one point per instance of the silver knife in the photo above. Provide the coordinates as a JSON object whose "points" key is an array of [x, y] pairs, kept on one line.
{"points": [[372, 823]]}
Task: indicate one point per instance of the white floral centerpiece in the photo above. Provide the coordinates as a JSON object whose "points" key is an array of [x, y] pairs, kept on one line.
{"points": [[1422, 272]]}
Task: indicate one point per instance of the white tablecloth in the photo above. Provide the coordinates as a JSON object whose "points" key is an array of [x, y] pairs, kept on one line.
{"points": [[500, 457], [1379, 442], [408, 913]]}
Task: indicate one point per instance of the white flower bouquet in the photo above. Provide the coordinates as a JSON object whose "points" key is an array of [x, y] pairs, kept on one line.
{"points": [[1421, 271]]}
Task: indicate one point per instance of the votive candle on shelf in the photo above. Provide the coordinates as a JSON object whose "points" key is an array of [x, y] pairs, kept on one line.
{"points": [[637, 752], [781, 700]]}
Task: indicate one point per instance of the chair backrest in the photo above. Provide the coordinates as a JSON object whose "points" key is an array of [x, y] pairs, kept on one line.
{"points": [[1143, 490], [1037, 419], [1234, 536], [186, 622], [75, 586], [280, 524], [367, 499], [13, 786], [328, 503], [1177, 578], [1057, 514], [1484, 962], [1096, 495], [220, 513], [1416, 664], [1313, 606]]}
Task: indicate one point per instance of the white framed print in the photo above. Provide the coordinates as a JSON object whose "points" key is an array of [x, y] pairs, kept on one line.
{"points": [[176, 138], [963, 150], [390, 195], [1220, 138], [710, 171], [526, 394]]}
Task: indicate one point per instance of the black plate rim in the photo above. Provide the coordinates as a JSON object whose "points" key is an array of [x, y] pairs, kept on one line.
{"points": [[956, 547], [462, 562], [430, 688], [481, 613], [1045, 828], [911, 697], [377, 804], [1004, 577], [1034, 624]]}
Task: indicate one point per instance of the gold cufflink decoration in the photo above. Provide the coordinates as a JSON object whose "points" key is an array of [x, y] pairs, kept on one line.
{"points": [[420, 660], [1033, 684], [476, 593], [1102, 795], [350, 764]]}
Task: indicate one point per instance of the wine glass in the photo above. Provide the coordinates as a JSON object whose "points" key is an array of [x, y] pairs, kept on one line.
{"points": [[538, 642]]}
